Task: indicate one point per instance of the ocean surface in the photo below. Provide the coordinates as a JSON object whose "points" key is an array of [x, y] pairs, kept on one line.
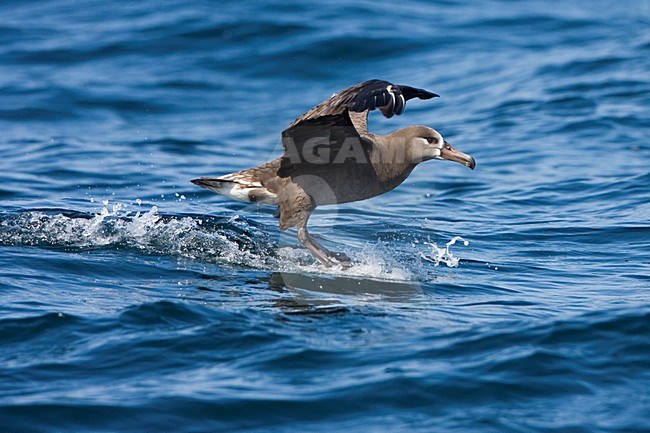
{"points": [[511, 298]]}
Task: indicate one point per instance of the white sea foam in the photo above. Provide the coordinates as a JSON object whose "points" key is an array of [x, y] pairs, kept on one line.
{"points": [[370, 262]]}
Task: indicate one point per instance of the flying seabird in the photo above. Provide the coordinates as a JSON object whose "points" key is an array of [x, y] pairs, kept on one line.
{"points": [[330, 157]]}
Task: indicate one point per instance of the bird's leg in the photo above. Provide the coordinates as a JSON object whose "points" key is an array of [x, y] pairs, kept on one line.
{"points": [[322, 253], [342, 258], [318, 251]]}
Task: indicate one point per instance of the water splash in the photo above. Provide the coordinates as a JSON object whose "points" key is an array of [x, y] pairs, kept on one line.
{"points": [[444, 255], [222, 240], [210, 238], [372, 261]]}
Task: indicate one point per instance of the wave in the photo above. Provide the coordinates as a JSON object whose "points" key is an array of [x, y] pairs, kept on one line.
{"points": [[595, 359]]}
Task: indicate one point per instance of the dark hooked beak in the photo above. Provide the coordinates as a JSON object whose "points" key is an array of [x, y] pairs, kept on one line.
{"points": [[451, 154]]}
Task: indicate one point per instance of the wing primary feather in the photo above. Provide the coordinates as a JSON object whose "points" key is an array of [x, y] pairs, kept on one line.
{"points": [[399, 104], [391, 102], [384, 99], [388, 108]]}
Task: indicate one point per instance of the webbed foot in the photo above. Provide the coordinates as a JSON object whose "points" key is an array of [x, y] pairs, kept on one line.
{"points": [[341, 258]]}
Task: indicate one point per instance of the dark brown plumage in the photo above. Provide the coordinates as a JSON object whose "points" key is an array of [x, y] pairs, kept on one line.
{"points": [[330, 157]]}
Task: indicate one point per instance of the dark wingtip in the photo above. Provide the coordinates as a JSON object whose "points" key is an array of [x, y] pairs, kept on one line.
{"points": [[373, 94], [428, 95], [413, 92]]}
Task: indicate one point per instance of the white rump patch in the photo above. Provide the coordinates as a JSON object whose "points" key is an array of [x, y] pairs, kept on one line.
{"points": [[237, 188]]}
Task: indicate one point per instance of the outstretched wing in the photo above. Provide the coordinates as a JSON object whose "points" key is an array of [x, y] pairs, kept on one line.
{"points": [[331, 136], [389, 98]]}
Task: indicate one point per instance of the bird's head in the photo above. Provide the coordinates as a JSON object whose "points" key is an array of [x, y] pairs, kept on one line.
{"points": [[424, 143]]}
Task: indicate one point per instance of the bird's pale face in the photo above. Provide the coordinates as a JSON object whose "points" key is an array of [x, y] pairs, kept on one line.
{"points": [[427, 143]]}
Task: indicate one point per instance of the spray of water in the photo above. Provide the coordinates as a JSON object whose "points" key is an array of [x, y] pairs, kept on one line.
{"points": [[444, 255], [229, 241]]}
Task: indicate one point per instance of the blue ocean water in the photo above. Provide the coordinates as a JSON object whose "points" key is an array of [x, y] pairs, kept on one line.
{"points": [[131, 300]]}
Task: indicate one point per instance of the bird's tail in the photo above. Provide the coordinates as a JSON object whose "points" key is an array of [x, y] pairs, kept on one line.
{"points": [[238, 188]]}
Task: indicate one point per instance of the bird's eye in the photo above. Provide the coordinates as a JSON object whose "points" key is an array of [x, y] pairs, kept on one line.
{"points": [[433, 140]]}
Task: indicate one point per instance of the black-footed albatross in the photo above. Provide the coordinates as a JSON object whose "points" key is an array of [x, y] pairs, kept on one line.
{"points": [[330, 157]]}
